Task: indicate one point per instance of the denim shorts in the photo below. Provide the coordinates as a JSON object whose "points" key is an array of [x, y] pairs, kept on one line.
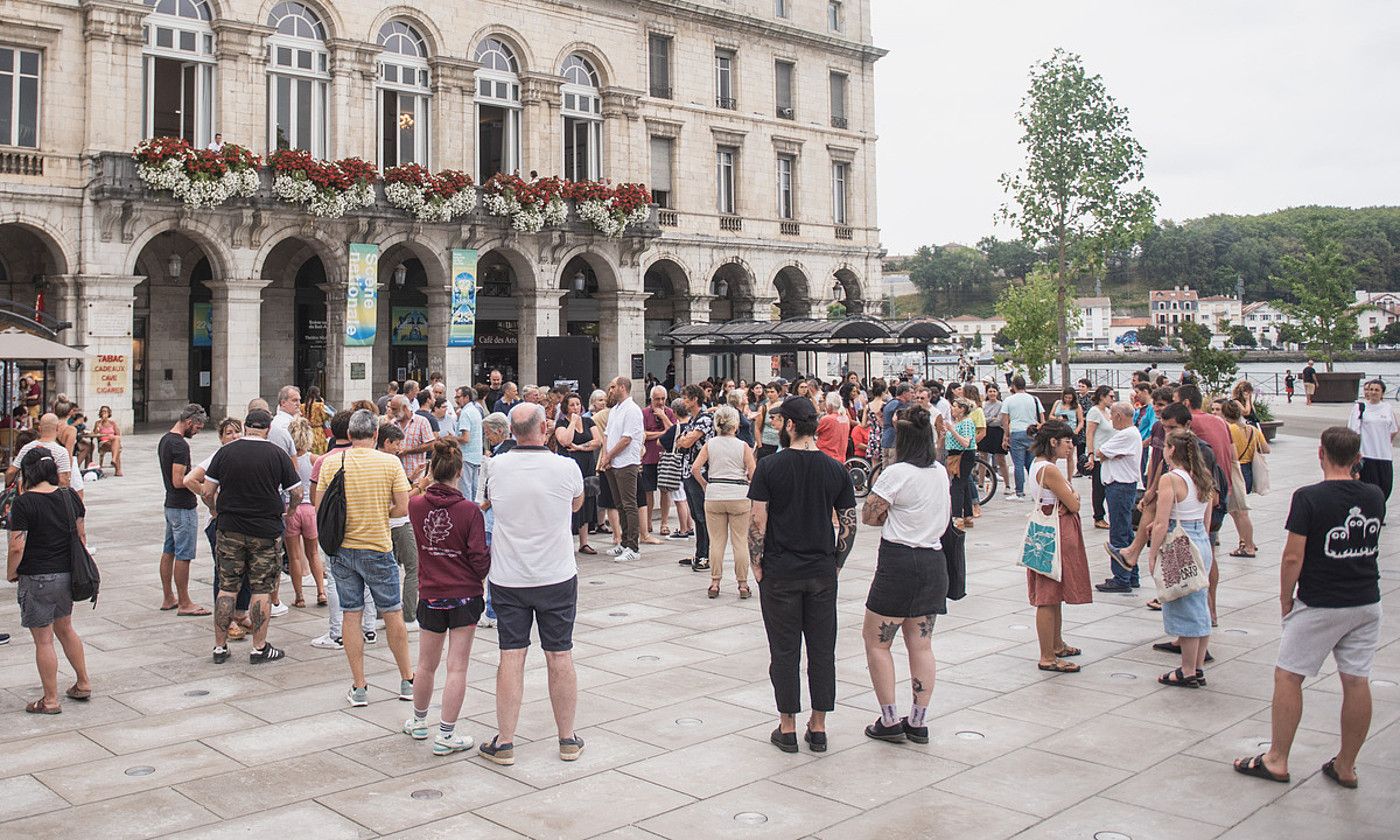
{"points": [[356, 568], [44, 599], [181, 532], [552, 607]]}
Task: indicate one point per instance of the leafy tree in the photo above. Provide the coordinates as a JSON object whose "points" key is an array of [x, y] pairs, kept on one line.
{"points": [[1215, 369], [1289, 334], [1149, 336], [1011, 258], [835, 311], [1079, 191], [1240, 336], [1324, 306], [1389, 335], [1032, 309], [1001, 339]]}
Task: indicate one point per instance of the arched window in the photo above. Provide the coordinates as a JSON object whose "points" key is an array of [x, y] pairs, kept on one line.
{"points": [[497, 108], [298, 80], [404, 95], [178, 71], [583, 120]]}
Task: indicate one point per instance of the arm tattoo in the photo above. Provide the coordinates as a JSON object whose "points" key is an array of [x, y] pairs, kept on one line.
{"points": [[755, 542], [875, 510], [846, 539], [925, 627], [887, 631]]}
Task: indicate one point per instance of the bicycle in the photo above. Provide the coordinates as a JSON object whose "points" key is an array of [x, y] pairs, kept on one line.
{"points": [[984, 476]]}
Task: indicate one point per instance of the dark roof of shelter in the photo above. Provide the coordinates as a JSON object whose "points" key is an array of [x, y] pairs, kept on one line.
{"points": [[856, 332]]}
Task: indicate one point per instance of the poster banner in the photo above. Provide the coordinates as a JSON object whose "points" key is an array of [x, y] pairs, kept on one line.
{"points": [[410, 326], [202, 331], [362, 295], [463, 330]]}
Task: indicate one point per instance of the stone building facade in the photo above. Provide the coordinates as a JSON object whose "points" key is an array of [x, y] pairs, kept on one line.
{"points": [[751, 120]]}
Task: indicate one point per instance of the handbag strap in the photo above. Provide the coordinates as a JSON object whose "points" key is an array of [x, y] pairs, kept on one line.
{"points": [[72, 514]]}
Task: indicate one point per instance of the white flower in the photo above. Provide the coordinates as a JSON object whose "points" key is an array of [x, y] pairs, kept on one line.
{"points": [[166, 176], [528, 221], [360, 195], [328, 204], [556, 212]]}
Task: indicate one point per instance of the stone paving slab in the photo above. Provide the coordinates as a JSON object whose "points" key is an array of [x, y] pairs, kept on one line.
{"points": [[676, 708]]}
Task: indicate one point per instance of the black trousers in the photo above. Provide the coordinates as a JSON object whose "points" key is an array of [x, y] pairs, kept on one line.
{"points": [[1098, 495], [1378, 472], [695, 497], [959, 486], [794, 610]]}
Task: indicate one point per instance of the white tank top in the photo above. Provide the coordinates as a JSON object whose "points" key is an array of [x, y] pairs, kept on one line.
{"points": [[1043, 495], [1190, 509]]}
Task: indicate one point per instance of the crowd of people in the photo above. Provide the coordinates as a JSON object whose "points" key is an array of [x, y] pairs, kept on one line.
{"points": [[429, 514]]}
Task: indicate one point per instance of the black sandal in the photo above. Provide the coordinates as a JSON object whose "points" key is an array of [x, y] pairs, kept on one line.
{"points": [[1330, 771], [1059, 667], [1255, 767], [1181, 681]]}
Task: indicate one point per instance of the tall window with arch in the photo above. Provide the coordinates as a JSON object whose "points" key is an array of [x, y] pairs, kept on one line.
{"points": [[583, 120], [405, 96], [497, 109], [178, 71], [298, 68]]}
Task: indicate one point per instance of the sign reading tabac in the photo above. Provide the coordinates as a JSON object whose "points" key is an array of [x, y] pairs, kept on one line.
{"points": [[362, 295], [110, 374], [462, 333]]}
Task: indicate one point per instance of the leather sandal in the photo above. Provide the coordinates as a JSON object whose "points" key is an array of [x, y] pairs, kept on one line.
{"points": [[713, 591]]}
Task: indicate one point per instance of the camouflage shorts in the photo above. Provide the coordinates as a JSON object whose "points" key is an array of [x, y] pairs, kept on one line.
{"points": [[237, 554]]}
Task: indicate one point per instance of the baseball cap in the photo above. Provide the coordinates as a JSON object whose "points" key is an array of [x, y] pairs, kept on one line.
{"points": [[799, 409], [257, 419]]}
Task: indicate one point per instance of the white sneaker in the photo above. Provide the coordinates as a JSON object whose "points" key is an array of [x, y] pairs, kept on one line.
{"points": [[627, 556], [327, 642], [416, 729], [447, 745], [617, 550], [485, 622], [277, 610], [411, 626]]}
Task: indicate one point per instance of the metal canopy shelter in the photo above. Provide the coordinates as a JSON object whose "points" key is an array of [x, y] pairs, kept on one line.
{"points": [[854, 334]]}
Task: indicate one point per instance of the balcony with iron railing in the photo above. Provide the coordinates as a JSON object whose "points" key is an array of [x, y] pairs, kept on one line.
{"points": [[659, 91], [728, 103], [839, 122]]}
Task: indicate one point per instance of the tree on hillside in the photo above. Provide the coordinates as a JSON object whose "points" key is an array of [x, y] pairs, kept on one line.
{"points": [[1324, 308], [1011, 258], [1031, 310], [1240, 336], [947, 276], [1390, 335], [1079, 191]]}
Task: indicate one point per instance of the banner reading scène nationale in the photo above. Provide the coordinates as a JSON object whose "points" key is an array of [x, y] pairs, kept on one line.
{"points": [[362, 295], [462, 332]]}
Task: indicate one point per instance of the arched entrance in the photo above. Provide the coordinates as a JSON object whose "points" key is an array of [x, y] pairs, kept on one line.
{"points": [[580, 309], [401, 343], [846, 290], [497, 318], [173, 334], [794, 293], [663, 282], [293, 318], [31, 276]]}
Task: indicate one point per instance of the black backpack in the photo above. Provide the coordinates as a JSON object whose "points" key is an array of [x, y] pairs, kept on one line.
{"points": [[330, 513], [85, 579]]}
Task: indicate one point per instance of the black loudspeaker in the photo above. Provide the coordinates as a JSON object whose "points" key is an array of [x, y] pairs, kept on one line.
{"points": [[566, 358]]}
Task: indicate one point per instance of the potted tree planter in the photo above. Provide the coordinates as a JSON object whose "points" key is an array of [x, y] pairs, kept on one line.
{"points": [[1338, 386]]}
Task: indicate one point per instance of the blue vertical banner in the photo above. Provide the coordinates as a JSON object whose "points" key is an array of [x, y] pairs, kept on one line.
{"points": [[462, 332], [362, 295]]}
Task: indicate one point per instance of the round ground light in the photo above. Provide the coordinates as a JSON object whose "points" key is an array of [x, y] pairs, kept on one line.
{"points": [[750, 818], [688, 721], [1111, 835], [196, 692], [971, 735], [140, 770], [426, 793]]}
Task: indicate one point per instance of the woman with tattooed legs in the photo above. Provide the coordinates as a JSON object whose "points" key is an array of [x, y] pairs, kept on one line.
{"points": [[910, 503]]}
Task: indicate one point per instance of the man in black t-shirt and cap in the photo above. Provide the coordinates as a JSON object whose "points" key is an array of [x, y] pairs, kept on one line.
{"points": [[250, 477], [796, 555], [1331, 603]]}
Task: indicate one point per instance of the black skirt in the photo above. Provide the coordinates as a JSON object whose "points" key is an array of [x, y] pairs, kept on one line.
{"points": [[991, 442], [909, 582]]}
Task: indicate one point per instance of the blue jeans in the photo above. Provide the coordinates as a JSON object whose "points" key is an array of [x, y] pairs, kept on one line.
{"points": [[1120, 497], [357, 568], [470, 472], [1020, 459], [181, 533]]}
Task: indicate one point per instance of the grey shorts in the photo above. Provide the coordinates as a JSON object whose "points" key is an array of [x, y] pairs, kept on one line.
{"points": [[44, 598], [1350, 634]]}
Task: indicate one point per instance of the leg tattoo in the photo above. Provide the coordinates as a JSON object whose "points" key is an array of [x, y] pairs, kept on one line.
{"points": [[256, 615], [887, 631], [926, 627], [223, 612], [918, 687]]}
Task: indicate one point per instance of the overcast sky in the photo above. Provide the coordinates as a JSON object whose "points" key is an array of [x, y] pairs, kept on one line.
{"points": [[1245, 106]]}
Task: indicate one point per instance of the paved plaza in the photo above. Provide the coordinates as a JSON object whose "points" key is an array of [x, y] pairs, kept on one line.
{"points": [[676, 709]]}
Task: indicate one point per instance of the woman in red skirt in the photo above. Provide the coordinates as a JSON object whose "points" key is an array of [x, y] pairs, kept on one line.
{"points": [[1054, 441]]}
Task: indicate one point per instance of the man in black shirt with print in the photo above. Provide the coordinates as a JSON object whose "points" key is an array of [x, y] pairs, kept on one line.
{"points": [[1331, 601], [250, 475], [796, 556]]}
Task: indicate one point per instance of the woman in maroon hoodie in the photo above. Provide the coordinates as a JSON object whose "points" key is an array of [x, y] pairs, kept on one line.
{"points": [[452, 563]]}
